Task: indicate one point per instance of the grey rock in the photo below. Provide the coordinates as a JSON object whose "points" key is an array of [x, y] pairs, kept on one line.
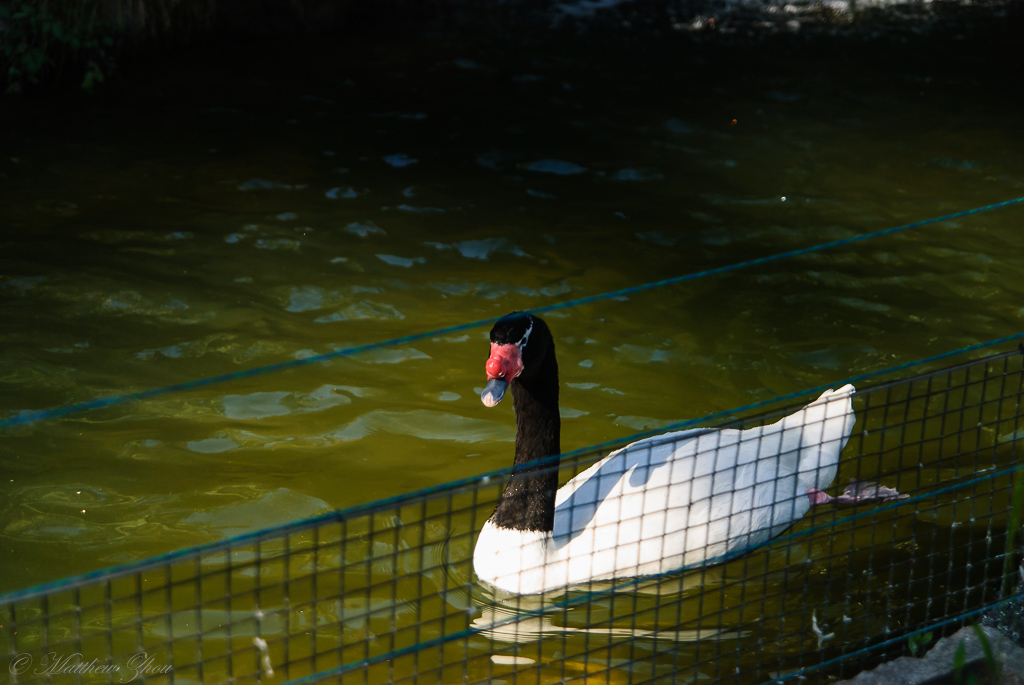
{"points": [[936, 667]]}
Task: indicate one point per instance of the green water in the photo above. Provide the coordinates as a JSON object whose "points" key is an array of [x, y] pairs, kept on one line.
{"points": [[223, 215]]}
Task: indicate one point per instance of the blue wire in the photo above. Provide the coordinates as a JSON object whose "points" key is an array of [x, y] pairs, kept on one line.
{"points": [[572, 600], [772, 258], [472, 482], [32, 416]]}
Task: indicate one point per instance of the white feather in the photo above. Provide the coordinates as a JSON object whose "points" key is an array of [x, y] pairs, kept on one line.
{"points": [[674, 501]]}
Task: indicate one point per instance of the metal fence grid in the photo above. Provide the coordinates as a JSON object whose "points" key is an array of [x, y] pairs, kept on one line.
{"points": [[386, 592]]}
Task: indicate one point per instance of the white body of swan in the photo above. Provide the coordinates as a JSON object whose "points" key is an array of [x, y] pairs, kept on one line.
{"points": [[675, 501]]}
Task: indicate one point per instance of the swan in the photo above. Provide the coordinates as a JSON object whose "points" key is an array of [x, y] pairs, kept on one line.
{"points": [[675, 501]]}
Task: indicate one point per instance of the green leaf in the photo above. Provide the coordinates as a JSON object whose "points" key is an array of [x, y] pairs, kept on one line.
{"points": [[919, 640], [986, 647], [959, 657], [93, 76], [34, 61]]}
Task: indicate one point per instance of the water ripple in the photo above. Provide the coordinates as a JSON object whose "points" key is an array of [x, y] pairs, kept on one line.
{"points": [[554, 166], [424, 424], [400, 160], [481, 249]]}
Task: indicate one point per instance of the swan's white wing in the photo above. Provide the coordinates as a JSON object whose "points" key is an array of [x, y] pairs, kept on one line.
{"points": [[687, 498]]}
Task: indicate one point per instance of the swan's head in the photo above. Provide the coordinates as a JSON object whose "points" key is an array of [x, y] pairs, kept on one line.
{"points": [[510, 340]]}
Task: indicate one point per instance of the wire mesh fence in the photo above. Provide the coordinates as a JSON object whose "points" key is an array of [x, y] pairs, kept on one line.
{"points": [[387, 592]]}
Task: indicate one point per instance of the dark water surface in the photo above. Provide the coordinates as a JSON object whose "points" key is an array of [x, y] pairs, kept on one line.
{"points": [[216, 215]]}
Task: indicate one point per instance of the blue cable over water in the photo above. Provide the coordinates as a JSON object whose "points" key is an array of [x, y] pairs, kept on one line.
{"points": [[471, 482], [32, 416], [573, 599]]}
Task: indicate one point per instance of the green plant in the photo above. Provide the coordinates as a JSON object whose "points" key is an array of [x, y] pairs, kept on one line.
{"points": [[918, 640], [1013, 526], [960, 658], [47, 40], [986, 648], [40, 38]]}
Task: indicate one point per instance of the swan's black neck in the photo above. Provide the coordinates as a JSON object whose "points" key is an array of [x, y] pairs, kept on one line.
{"points": [[528, 502]]}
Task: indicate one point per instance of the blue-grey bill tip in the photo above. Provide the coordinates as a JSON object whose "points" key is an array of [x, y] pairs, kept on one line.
{"points": [[493, 391]]}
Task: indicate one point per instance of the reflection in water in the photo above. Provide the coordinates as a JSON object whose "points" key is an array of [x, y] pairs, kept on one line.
{"points": [[530, 618]]}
